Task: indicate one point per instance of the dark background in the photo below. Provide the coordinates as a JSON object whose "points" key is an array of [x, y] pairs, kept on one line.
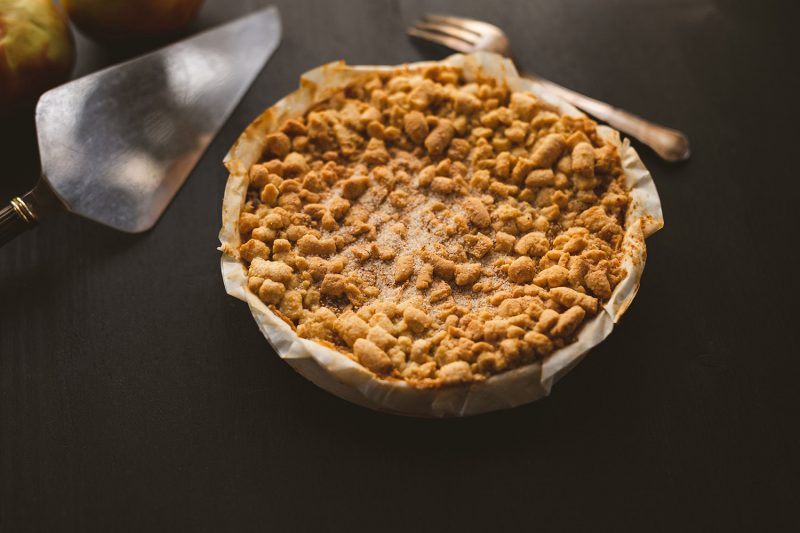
{"points": [[135, 395]]}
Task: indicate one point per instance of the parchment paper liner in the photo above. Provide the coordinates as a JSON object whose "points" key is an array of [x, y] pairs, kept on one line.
{"points": [[345, 378]]}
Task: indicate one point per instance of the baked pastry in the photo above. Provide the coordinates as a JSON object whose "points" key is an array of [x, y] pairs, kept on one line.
{"points": [[434, 225]]}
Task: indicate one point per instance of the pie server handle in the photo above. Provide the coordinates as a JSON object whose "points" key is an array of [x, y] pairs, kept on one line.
{"points": [[24, 212]]}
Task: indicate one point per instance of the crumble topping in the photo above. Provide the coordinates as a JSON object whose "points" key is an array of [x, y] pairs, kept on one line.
{"points": [[434, 229]]}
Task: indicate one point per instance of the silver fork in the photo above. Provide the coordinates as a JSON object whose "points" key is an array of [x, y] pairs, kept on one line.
{"points": [[469, 35]]}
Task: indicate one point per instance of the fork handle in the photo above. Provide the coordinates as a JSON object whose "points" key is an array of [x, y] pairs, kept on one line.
{"points": [[671, 145]]}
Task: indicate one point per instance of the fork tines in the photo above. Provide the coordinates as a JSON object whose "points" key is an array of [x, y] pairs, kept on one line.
{"points": [[461, 34]]}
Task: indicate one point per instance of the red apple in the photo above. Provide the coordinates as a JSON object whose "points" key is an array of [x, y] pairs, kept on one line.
{"points": [[36, 51], [121, 20]]}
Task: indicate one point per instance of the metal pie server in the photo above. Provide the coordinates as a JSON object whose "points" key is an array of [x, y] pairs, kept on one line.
{"points": [[117, 144]]}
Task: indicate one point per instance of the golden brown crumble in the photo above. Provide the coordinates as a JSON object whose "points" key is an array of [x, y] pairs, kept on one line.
{"points": [[435, 230]]}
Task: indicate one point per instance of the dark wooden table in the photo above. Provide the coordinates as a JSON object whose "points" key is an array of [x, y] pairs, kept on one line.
{"points": [[135, 395]]}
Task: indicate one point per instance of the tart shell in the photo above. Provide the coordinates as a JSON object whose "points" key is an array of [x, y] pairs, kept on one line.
{"points": [[340, 375]]}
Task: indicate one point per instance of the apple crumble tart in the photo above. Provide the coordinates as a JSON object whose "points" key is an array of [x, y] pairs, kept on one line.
{"points": [[433, 229]]}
